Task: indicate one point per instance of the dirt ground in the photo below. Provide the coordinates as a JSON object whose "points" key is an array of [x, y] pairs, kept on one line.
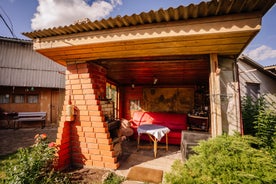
{"points": [[87, 176]]}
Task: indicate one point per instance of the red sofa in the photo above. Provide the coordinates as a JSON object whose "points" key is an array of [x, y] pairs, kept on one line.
{"points": [[175, 122]]}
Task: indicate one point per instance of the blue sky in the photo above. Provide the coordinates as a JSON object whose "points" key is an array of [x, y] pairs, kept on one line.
{"points": [[27, 15]]}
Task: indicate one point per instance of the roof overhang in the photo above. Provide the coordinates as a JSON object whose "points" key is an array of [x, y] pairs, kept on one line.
{"points": [[224, 35], [184, 36]]}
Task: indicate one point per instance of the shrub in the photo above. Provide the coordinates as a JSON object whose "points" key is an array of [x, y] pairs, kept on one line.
{"points": [[265, 127], [225, 159], [34, 164], [259, 121], [250, 111]]}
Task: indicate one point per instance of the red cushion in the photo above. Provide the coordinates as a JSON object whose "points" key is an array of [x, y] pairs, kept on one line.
{"points": [[175, 122]]}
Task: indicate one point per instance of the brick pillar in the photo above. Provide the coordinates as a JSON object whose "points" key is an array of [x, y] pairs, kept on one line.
{"points": [[85, 141]]}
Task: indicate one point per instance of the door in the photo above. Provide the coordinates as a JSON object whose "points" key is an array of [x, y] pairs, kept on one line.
{"points": [[57, 100]]}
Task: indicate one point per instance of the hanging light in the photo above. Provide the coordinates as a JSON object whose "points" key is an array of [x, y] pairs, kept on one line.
{"points": [[155, 80]]}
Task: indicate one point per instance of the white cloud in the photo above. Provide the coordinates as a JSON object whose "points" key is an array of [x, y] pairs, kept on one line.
{"points": [[261, 53], [54, 13]]}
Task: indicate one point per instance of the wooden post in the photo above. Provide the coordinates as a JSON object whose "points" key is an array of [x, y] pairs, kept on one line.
{"points": [[215, 100]]}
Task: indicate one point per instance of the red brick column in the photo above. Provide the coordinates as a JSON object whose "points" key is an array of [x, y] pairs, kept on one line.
{"points": [[85, 141]]}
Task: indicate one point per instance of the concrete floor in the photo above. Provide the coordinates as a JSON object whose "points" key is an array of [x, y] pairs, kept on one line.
{"points": [[145, 158]]}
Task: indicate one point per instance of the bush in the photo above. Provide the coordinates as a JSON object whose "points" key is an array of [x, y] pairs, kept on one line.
{"points": [[34, 164], [225, 159], [265, 127], [250, 111]]}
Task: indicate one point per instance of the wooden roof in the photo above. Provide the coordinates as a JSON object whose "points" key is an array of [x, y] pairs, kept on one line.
{"points": [[172, 44]]}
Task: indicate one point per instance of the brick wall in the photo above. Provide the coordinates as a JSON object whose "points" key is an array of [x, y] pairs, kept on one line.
{"points": [[86, 140]]}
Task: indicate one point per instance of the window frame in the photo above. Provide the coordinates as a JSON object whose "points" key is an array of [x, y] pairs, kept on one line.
{"points": [[17, 95], [32, 95]]}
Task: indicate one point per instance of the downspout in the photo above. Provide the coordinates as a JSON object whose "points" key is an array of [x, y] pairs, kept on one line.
{"points": [[237, 79]]}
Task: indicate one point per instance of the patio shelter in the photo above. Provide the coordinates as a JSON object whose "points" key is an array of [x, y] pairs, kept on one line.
{"points": [[182, 47]]}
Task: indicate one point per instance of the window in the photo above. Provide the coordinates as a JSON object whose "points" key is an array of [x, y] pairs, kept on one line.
{"points": [[135, 105], [253, 90], [112, 94], [33, 99], [4, 99], [18, 99]]}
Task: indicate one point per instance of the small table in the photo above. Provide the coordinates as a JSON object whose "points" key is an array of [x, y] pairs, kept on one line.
{"points": [[155, 133]]}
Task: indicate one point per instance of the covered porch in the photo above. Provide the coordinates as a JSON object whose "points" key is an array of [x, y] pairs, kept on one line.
{"points": [[186, 56]]}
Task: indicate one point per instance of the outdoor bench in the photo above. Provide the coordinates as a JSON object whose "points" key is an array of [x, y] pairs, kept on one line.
{"points": [[30, 117]]}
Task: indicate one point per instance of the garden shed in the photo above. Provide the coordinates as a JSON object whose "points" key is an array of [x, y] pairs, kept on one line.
{"points": [[176, 60]]}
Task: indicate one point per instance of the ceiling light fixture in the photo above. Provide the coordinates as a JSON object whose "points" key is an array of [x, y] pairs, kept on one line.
{"points": [[155, 80]]}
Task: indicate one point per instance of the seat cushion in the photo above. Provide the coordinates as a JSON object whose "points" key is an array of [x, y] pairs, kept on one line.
{"points": [[175, 122]]}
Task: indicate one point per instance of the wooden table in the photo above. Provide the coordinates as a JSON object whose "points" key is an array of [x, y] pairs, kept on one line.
{"points": [[155, 133]]}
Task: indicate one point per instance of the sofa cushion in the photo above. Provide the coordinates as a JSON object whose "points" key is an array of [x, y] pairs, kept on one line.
{"points": [[140, 118], [175, 122], [171, 120]]}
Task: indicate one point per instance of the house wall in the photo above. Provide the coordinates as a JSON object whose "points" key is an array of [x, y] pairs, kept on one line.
{"points": [[249, 74], [127, 95], [50, 100]]}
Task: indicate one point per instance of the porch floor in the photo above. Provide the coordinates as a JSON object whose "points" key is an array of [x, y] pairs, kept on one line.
{"points": [[145, 158]]}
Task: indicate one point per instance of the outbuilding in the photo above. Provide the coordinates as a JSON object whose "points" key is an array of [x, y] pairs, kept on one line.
{"points": [[180, 60]]}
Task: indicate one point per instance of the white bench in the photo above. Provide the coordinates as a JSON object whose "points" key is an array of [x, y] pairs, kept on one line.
{"points": [[30, 117]]}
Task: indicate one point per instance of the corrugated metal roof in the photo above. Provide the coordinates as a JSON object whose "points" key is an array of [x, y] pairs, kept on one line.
{"points": [[15, 40], [21, 66], [204, 9], [270, 66]]}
